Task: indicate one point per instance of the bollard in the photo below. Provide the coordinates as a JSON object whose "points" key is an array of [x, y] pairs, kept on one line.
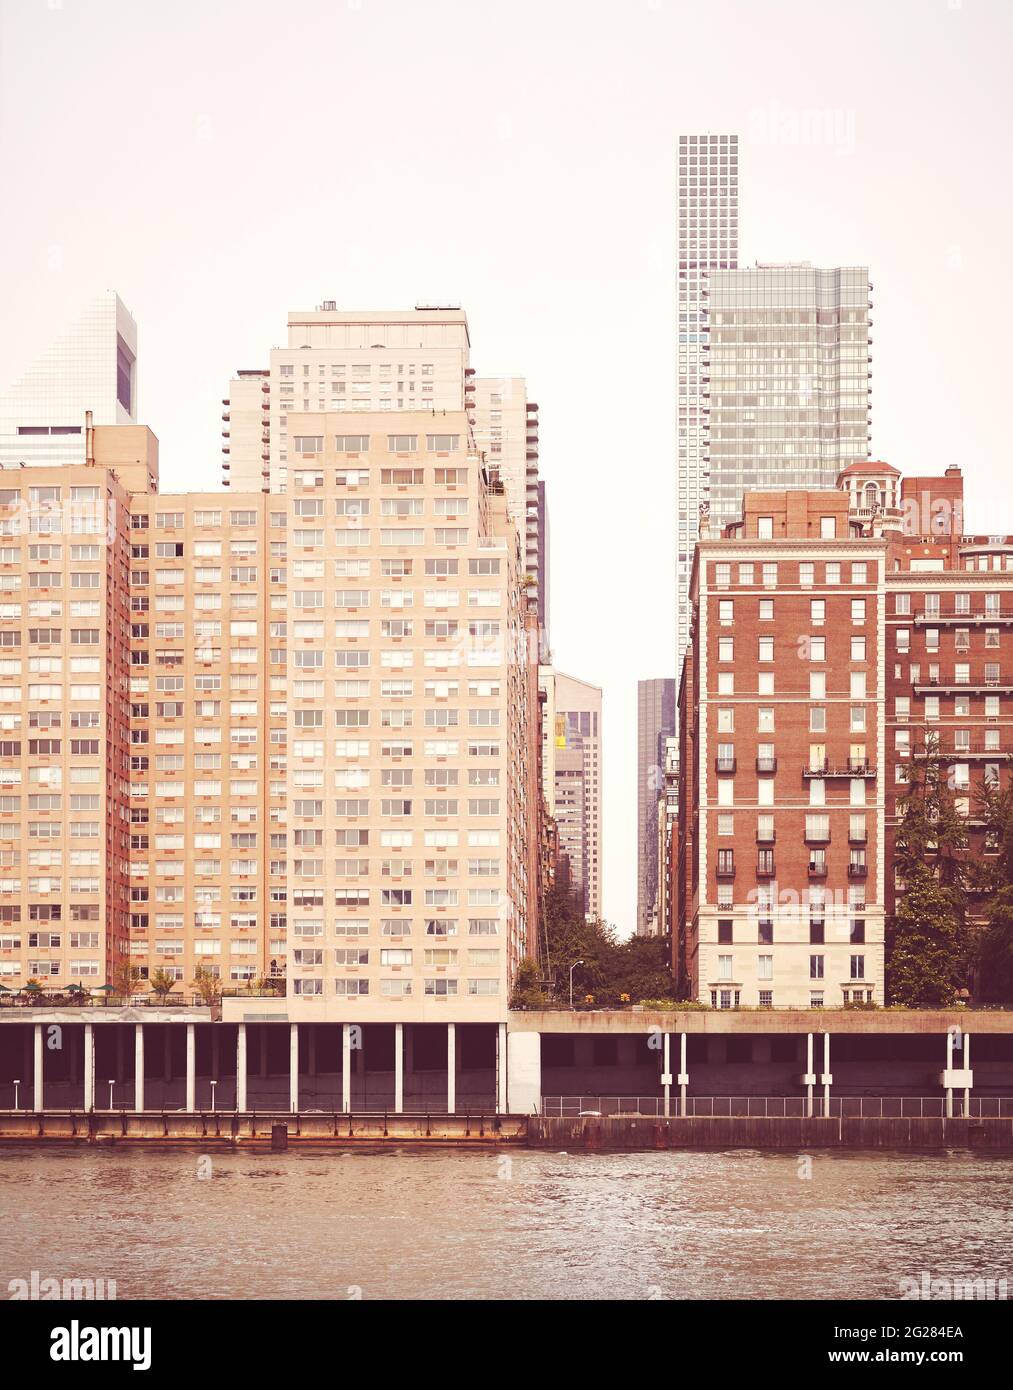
{"points": [[279, 1138]]}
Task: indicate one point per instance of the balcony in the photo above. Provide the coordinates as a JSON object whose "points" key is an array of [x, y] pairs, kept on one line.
{"points": [[725, 871], [766, 838], [766, 764], [817, 868], [854, 767], [858, 870], [993, 685], [765, 866], [964, 754], [858, 837], [928, 619], [724, 764]]}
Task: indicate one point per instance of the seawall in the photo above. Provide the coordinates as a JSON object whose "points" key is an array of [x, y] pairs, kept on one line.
{"points": [[590, 1133]]}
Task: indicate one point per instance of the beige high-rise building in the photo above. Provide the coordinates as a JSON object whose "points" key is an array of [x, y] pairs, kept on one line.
{"points": [[506, 432], [270, 735], [387, 361], [246, 450], [354, 361], [572, 779]]}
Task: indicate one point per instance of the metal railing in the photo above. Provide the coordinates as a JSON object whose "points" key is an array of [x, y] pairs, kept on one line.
{"points": [[44, 1000], [780, 1107]]}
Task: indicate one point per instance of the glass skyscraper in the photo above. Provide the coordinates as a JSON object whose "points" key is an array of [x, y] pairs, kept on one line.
{"points": [[773, 368], [789, 369]]}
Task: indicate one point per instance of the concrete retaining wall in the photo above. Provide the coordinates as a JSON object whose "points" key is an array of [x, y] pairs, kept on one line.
{"points": [[207, 1128], [760, 1132]]}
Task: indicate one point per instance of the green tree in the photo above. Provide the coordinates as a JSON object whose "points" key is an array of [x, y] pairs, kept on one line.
{"points": [[527, 992], [610, 968], [927, 962], [994, 877], [125, 978], [206, 984], [161, 983]]}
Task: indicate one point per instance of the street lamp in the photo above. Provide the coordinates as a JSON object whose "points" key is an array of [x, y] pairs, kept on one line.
{"points": [[213, 1085], [572, 969], [111, 1085], [17, 1083]]}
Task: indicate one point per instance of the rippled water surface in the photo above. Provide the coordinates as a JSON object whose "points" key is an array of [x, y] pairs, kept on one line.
{"points": [[520, 1224]]}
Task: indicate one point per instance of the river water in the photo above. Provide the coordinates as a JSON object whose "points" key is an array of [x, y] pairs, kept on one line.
{"points": [[517, 1224]]}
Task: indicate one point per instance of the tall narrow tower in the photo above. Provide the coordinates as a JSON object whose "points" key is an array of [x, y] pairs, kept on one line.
{"points": [[708, 241]]}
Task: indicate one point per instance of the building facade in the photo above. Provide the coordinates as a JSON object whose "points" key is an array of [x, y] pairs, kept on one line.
{"points": [[365, 361], [708, 232], [572, 781], [782, 811], [949, 613], [655, 723], [254, 735], [91, 366], [790, 379], [867, 631]]}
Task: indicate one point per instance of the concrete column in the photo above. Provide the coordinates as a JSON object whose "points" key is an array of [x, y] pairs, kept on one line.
{"points": [[967, 1075], [683, 1074], [524, 1073], [346, 1067], [191, 1067], [666, 1074], [947, 1079], [293, 1067], [826, 1077], [138, 1066], [37, 1068], [241, 1067], [501, 1068], [451, 1069], [89, 1066], [399, 1067]]}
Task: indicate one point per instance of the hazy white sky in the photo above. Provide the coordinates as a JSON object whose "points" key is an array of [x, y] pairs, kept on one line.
{"points": [[219, 163]]}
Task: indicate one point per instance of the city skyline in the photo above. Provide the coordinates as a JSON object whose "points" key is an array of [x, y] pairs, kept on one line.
{"points": [[818, 164]]}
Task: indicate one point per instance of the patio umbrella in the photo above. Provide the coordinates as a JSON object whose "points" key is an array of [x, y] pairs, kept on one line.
{"points": [[107, 989]]}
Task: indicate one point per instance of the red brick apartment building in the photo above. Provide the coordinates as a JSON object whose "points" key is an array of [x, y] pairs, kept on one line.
{"points": [[829, 629]]}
